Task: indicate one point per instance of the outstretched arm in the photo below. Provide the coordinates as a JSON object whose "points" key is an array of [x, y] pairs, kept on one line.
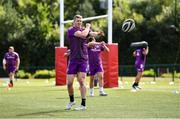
{"points": [[94, 34], [104, 46], [83, 34]]}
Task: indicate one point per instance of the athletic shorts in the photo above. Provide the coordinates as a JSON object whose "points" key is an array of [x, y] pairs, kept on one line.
{"points": [[11, 69], [95, 69], [77, 66], [140, 67]]}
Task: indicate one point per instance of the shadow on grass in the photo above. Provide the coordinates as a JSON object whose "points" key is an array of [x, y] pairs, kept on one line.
{"points": [[78, 97], [45, 113]]}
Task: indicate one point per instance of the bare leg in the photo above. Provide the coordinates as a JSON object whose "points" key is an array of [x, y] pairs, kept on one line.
{"points": [[101, 81], [138, 77], [91, 86], [101, 84], [137, 80], [70, 80], [82, 80], [91, 83], [11, 78]]}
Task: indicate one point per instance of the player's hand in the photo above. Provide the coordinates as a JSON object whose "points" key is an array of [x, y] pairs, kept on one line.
{"points": [[101, 33], [103, 43], [88, 25], [66, 55]]}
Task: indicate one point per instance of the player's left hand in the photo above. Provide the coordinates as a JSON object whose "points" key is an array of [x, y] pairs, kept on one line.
{"points": [[103, 43], [66, 55], [101, 33]]}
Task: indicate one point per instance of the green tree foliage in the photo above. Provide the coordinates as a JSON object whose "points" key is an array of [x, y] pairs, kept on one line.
{"points": [[28, 26], [32, 26], [154, 24]]}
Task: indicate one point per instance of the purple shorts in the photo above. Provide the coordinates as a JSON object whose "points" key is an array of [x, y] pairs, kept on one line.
{"points": [[77, 66], [139, 67], [93, 69], [11, 69]]}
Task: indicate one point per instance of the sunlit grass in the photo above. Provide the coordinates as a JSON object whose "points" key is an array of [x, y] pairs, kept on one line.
{"points": [[42, 99]]}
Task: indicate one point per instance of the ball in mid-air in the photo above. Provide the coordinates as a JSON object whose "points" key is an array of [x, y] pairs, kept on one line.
{"points": [[128, 25]]}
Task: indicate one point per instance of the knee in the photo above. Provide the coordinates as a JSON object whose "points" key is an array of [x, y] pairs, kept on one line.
{"points": [[100, 77], [69, 85], [81, 83]]}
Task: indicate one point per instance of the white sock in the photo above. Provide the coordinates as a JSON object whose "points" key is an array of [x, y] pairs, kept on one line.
{"points": [[101, 89], [91, 90]]}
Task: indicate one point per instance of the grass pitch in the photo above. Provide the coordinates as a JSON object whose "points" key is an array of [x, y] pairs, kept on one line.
{"points": [[41, 99]]}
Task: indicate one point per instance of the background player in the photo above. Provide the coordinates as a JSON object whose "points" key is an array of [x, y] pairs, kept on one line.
{"points": [[95, 65], [140, 55], [11, 62]]}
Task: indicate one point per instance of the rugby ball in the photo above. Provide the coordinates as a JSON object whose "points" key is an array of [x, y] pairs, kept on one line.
{"points": [[128, 25]]}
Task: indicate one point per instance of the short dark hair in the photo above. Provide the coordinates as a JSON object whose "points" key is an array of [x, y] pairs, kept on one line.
{"points": [[77, 16], [90, 38]]}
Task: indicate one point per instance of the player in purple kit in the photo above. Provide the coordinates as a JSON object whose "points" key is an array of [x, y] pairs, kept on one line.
{"points": [[11, 62], [78, 57], [95, 65], [140, 55]]}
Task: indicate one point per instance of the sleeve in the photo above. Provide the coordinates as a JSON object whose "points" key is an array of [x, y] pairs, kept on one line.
{"points": [[71, 32], [16, 55]]}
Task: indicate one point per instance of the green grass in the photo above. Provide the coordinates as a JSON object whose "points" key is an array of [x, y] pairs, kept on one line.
{"points": [[41, 99]]}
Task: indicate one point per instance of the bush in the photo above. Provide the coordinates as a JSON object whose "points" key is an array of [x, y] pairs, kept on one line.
{"points": [[169, 75], [23, 75], [177, 75], [149, 73], [166, 75], [44, 74]]}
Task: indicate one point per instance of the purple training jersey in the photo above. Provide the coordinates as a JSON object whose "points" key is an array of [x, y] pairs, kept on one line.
{"points": [[11, 61], [140, 60], [95, 61], [77, 45], [78, 52]]}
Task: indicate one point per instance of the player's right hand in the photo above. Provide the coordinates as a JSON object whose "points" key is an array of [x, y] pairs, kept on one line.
{"points": [[101, 33], [103, 43], [88, 25]]}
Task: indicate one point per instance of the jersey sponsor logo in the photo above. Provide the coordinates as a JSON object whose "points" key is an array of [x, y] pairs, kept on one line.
{"points": [[96, 48]]}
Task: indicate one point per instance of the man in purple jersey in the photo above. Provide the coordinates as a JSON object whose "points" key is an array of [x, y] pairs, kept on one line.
{"points": [[78, 57], [140, 55], [95, 65], [11, 63]]}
